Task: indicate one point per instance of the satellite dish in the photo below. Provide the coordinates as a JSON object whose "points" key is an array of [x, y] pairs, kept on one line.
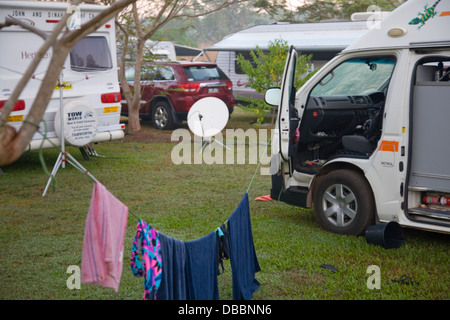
{"points": [[208, 117]]}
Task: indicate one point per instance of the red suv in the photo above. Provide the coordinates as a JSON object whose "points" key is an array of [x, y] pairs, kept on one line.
{"points": [[169, 89]]}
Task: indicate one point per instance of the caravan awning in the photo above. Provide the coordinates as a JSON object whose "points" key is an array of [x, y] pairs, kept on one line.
{"points": [[307, 37], [186, 51]]}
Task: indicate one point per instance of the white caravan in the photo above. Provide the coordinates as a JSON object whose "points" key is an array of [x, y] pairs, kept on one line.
{"points": [[90, 80], [162, 50], [366, 139]]}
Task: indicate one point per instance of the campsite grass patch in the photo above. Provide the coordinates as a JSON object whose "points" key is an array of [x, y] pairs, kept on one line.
{"points": [[40, 237]]}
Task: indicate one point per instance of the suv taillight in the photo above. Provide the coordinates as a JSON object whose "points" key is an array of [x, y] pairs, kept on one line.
{"points": [[229, 85], [191, 87], [111, 97], [20, 105]]}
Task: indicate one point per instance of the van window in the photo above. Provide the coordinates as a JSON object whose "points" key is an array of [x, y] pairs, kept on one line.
{"points": [[357, 76], [91, 54], [199, 73]]}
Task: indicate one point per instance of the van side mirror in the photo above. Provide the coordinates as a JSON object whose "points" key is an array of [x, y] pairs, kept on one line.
{"points": [[272, 96]]}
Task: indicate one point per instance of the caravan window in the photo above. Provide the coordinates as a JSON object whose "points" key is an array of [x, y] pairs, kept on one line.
{"points": [[91, 54], [247, 56]]}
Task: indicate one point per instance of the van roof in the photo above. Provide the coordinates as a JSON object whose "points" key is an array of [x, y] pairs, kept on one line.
{"points": [[416, 23]]}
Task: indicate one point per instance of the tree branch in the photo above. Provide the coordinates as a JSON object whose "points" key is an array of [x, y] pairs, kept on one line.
{"points": [[49, 42], [10, 21]]}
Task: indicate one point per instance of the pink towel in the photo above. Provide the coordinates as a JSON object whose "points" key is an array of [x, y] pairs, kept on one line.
{"points": [[106, 222]]}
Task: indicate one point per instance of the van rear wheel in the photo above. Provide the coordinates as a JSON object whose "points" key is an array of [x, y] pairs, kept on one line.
{"points": [[162, 116], [343, 202]]}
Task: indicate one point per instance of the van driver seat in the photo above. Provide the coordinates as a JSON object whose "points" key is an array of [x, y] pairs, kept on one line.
{"points": [[365, 143], [357, 143]]}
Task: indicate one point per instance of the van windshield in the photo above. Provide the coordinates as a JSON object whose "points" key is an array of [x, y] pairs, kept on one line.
{"points": [[91, 54], [356, 77]]}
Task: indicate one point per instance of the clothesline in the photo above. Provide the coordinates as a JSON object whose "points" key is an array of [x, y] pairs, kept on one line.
{"points": [[102, 256], [188, 273]]}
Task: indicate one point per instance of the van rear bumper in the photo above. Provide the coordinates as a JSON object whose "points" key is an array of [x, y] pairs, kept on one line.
{"points": [[56, 142]]}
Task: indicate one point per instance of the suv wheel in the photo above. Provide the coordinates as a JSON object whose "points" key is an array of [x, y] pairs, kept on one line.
{"points": [[162, 116]]}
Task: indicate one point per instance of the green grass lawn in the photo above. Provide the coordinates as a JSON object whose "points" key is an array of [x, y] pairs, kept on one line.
{"points": [[40, 237]]}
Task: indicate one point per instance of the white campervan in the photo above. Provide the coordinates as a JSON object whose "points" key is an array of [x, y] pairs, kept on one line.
{"points": [[90, 80], [366, 139]]}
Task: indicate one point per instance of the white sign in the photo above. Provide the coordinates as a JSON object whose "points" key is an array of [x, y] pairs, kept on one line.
{"points": [[80, 123]]}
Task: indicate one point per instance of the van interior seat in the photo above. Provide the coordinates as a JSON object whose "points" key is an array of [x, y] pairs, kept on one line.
{"points": [[357, 143], [425, 73]]}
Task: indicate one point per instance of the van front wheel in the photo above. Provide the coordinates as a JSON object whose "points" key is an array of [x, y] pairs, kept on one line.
{"points": [[343, 202]]}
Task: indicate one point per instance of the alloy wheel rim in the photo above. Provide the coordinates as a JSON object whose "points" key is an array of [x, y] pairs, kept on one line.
{"points": [[339, 205], [161, 117]]}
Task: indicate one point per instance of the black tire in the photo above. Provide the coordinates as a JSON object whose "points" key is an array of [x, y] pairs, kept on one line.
{"points": [[162, 116], [344, 203]]}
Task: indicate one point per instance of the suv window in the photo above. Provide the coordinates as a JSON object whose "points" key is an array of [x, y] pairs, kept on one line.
{"points": [[152, 73], [199, 73], [91, 54], [356, 77]]}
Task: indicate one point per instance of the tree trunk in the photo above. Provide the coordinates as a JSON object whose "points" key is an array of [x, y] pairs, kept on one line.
{"points": [[134, 125], [134, 105]]}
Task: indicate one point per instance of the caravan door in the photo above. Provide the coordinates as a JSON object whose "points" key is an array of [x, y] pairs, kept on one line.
{"points": [[287, 120]]}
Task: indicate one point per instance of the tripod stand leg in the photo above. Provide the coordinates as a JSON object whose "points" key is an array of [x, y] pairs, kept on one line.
{"points": [[78, 166], [222, 144], [55, 169]]}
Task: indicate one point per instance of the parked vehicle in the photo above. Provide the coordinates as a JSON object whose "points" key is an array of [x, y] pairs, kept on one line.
{"points": [[364, 141], [169, 89], [90, 79]]}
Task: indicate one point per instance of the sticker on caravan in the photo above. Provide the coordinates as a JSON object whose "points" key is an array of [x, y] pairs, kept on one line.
{"points": [[80, 123], [66, 85], [428, 13]]}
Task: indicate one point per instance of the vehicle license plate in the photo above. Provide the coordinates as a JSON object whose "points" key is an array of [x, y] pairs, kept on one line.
{"points": [[213, 90]]}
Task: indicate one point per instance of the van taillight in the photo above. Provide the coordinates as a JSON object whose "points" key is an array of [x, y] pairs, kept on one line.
{"points": [[111, 97], [20, 105], [189, 86]]}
